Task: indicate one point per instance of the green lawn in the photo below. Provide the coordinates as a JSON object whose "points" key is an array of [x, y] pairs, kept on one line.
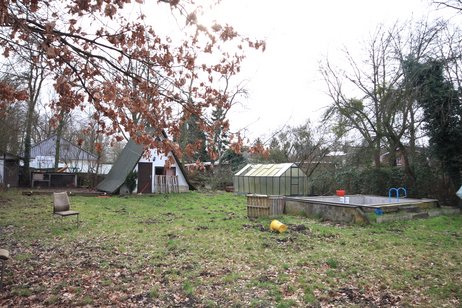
{"points": [[199, 249]]}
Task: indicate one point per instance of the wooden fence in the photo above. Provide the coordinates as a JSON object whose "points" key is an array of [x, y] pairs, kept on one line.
{"points": [[264, 205], [166, 184]]}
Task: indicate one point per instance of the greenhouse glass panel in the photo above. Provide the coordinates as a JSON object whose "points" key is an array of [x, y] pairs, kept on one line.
{"points": [[244, 170], [282, 185], [274, 170], [270, 185], [251, 171], [288, 188], [296, 172], [296, 186], [264, 185], [261, 172], [246, 185], [270, 179], [257, 181], [303, 187], [253, 182]]}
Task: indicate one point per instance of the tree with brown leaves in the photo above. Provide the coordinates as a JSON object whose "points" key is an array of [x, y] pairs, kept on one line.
{"points": [[92, 48]]}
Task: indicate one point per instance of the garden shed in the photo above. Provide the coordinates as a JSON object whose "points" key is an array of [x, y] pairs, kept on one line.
{"points": [[9, 169], [271, 179]]}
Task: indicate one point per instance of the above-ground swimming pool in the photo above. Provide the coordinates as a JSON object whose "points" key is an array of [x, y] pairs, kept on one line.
{"points": [[365, 200], [353, 208]]}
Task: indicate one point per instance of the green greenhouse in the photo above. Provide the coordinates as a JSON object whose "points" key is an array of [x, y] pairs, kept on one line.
{"points": [[271, 179]]}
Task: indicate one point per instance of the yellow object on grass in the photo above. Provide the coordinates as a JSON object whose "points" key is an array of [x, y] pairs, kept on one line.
{"points": [[276, 225]]}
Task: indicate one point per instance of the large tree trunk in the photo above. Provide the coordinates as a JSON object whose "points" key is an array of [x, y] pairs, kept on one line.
{"points": [[377, 153], [407, 166], [392, 155], [59, 132], [28, 143], [412, 136], [35, 80]]}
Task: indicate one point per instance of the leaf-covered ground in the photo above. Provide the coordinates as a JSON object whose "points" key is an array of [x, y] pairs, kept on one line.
{"points": [[200, 250]]}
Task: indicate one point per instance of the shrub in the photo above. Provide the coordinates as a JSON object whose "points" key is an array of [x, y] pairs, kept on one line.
{"points": [[130, 181]]}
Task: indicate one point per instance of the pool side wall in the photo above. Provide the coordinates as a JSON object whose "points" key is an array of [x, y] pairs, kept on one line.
{"points": [[340, 213]]}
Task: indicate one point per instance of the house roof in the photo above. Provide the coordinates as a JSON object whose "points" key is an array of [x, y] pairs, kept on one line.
{"points": [[68, 150], [124, 164], [266, 170]]}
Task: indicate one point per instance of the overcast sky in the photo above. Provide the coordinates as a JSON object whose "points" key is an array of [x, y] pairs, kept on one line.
{"points": [[284, 83]]}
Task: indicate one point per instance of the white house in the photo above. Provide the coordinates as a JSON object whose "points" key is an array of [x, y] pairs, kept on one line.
{"points": [[155, 175], [71, 157]]}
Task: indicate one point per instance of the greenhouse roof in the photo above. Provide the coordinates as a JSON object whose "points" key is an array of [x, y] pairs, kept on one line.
{"points": [[257, 170]]}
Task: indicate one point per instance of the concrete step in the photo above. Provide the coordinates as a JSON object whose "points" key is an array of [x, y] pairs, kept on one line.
{"points": [[410, 208], [419, 214], [444, 210]]}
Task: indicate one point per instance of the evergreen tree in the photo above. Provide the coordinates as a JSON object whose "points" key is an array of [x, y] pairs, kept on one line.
{"points": [[442, 115], [193, 141]]}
